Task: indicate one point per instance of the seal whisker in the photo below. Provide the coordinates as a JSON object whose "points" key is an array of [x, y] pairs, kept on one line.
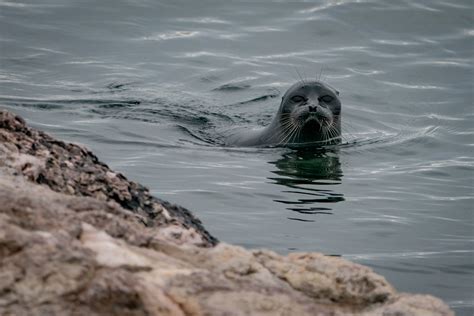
{"points": [[299, 75], [287, 126], [290, 134], [284, 133], [279, 135], [287, 122], [347, 131], [325, 132], [284, 137], [326, 135], [299, 132], [335, 134], [329, 134], [296, 132], [347, 139], [342, 137]]}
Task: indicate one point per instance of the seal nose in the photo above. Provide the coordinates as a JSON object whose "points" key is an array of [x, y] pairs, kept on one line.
{"points": [[313, 108]]}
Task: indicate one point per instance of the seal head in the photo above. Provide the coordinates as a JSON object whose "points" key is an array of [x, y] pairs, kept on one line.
{"points": [[309, 114]]}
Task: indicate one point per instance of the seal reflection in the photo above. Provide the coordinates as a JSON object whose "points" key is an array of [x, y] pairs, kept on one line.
{"points": [[310, 177]]}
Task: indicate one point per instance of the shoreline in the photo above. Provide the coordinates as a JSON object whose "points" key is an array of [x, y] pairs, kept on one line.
{"points": [[80, 238]]}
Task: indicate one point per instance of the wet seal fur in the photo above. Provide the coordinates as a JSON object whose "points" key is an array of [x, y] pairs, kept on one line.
{"points": [[309, 114]]}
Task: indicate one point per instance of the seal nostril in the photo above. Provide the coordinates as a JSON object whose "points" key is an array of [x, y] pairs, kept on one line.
{"points": [[312, 108]]}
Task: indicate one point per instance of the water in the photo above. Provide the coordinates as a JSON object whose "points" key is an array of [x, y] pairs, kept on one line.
{"points": [[149, 86]]}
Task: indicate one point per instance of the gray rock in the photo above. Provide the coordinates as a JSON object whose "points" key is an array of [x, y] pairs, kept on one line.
{"points": [[78, 239], [74, 170]]}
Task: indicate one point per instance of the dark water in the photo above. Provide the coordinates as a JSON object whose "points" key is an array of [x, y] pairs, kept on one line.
{"points": [[149, 85]]}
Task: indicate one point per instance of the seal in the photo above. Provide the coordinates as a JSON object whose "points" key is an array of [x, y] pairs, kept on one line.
{"points": [[309, 114]]}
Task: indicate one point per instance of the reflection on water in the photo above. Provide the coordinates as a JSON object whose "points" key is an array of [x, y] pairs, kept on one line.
{"points": [[311, 176]]}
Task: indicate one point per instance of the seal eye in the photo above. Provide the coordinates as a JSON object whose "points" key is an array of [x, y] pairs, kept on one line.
{"points": [[297, 98], [326, 98]]}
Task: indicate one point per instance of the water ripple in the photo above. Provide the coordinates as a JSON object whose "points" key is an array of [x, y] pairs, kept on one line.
{"points": [[412, 86], [407, 254], [330, 4]]}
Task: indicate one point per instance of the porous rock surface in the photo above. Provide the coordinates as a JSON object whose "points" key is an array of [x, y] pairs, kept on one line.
{"points": [[79, 239]]}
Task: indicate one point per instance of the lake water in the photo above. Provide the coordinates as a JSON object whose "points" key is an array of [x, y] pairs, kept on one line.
{"points": [[149, 86]]}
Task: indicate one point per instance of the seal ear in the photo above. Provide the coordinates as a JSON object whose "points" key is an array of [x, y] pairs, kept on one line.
{"points": [[337, 92]]}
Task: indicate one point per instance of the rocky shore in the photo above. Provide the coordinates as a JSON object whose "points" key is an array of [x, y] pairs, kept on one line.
{"points": [[77, 238]]}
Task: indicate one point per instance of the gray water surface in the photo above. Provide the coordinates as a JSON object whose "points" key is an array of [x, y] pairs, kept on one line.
{"points": [[149, 86]]}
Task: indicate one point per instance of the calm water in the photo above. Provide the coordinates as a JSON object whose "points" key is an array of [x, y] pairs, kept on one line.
{"points": [[150, 85]]}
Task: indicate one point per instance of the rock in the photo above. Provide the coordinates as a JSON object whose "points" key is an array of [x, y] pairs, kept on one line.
{"points": [[74, 170], [66, 251]]}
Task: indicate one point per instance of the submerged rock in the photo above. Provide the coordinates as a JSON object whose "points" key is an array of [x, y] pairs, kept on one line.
{"points": [[79, 239]]}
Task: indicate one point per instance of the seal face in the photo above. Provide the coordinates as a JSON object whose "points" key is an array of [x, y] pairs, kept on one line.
{"points": [[309, 113]]}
